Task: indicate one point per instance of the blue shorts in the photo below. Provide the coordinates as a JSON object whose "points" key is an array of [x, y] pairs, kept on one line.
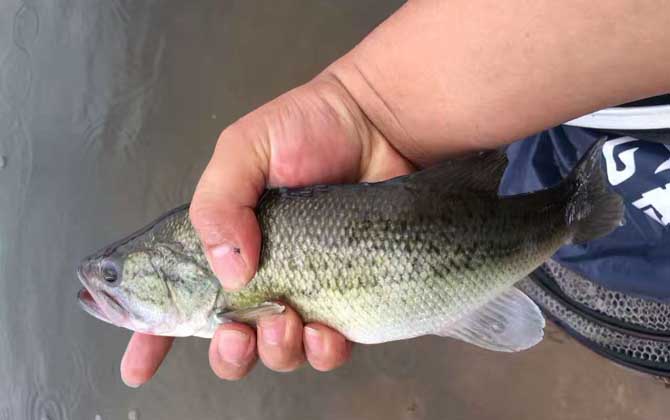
{"points": [[635, 258]]}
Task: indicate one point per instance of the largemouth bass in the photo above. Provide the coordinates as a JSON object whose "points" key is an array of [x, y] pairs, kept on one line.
{"points": [[434, 252]]}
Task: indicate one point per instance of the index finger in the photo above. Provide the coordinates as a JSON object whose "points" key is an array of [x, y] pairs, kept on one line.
{"points": [[143, 356]]}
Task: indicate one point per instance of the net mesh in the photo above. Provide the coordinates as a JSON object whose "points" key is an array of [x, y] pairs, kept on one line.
{"points": [[654, 316], [638, 349]]}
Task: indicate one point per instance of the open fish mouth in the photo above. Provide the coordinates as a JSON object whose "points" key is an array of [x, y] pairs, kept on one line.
{"points": [[97, 303], [90, 305]]}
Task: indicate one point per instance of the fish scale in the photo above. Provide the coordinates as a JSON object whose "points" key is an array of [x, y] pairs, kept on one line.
{"points": [[401, 268], [435, 252]]}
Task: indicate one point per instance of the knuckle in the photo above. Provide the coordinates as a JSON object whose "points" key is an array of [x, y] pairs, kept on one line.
{"points": [[201, 216], [226, 136], [206, 221]]}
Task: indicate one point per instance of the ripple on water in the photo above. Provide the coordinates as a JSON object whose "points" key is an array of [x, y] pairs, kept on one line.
{"points": [[5, 413], [41, 406], [16, 76], [81, 376], [7, 117], [26, 26]]}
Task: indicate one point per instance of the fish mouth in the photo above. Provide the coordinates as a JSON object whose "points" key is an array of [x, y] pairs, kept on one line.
{"points": [[98, 303], [90, 305]]}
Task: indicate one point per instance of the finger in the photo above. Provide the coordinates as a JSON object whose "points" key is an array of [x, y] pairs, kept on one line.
{"points": [[280, 341], [232, 352], [222, 208], [326, 349], [143, 356]]}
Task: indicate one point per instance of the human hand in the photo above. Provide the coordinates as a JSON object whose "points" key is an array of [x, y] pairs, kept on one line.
{"points": [[313, 134], [430, 82]]}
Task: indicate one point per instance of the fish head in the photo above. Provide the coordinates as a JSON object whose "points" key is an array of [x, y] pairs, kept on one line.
{"points": [[150, 282], [117, 291]]}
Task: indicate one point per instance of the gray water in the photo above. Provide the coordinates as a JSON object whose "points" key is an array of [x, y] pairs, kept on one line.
{"points": [[108, 113]]}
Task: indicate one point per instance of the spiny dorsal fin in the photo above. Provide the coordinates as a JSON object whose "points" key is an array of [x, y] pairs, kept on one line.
{"points": [[478, 173], [510, 322], [481, 172]]}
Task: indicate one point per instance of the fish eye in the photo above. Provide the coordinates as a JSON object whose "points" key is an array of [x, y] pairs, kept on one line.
{"points": [[109, 272]]}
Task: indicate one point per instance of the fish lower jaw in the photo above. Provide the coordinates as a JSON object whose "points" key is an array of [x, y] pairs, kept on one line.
{"points": [[91, 306], [104, 307]]}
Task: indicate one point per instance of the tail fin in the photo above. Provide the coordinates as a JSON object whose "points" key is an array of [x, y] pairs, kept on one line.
{"points": [[594, 210]]}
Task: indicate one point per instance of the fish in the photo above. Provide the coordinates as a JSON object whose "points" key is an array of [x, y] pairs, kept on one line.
{"points": [[434, 252]]}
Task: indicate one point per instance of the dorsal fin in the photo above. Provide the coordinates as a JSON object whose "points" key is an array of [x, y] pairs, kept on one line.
{"points": [[481, 172]]}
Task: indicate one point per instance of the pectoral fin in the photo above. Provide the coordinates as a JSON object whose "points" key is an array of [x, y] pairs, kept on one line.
{"points": [[510, 322], [251, 315]]}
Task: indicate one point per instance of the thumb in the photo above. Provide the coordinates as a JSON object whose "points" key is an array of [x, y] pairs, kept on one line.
{"points": [[222, 210]]}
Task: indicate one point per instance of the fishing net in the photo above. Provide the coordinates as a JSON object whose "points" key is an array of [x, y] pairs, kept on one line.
{"points": [[628, 330], [633, 310]]}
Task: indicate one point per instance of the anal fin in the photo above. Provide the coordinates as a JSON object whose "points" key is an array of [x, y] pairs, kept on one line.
{"points": [[511, 322]]}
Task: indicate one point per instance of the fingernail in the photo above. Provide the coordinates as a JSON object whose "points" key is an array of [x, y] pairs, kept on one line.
{"points": [[233, 347], [124, 362], [313, 341], [273, 329], [228, 266], [130, 384]]}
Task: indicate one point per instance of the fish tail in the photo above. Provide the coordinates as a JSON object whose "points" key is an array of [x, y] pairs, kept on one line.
{"points": [[594, 210]]}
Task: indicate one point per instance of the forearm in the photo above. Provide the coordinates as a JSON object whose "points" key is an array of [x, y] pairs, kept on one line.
{"points": [[443, 76]]}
